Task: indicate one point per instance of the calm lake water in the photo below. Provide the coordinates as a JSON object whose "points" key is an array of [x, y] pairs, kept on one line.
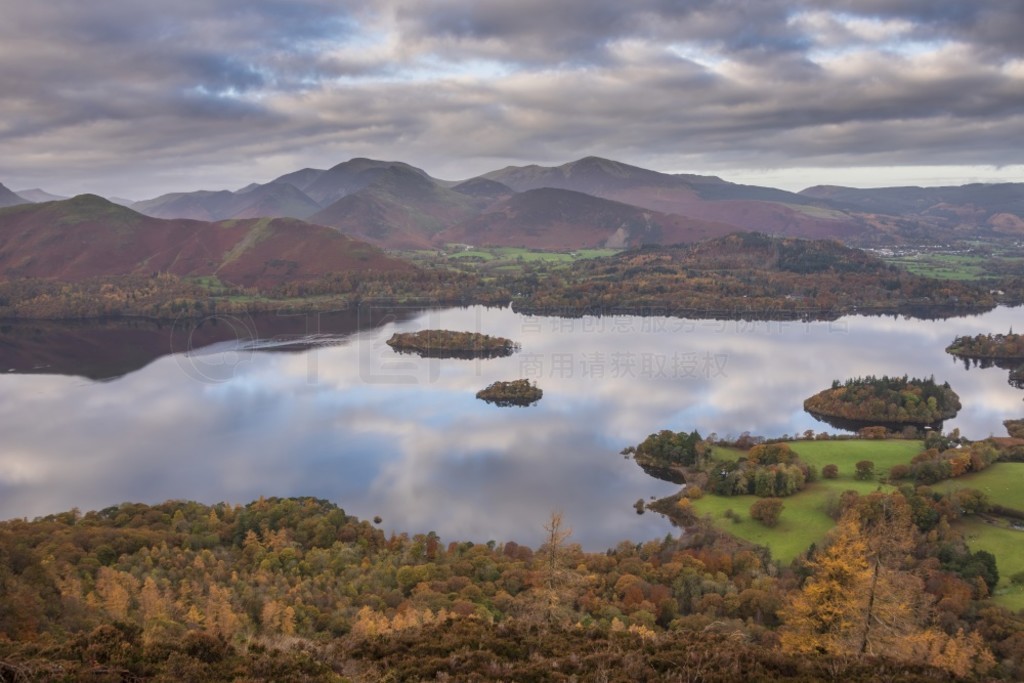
{"points": [[91, 415]]}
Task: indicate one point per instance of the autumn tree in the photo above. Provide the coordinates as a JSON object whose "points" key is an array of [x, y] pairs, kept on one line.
{"points": [[552, 554], [825, 614], [767, 511], [862, 599]]}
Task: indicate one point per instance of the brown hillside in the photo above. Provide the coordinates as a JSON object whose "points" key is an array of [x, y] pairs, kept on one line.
{"points": [[401, 209], [87, 236], [562, 219], [706, 198]]}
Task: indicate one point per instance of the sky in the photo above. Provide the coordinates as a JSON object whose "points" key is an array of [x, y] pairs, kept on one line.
{"points": [[134, 98]]}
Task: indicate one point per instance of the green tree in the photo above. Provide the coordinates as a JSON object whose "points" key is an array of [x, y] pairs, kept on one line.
{"points": [[865, 470]]}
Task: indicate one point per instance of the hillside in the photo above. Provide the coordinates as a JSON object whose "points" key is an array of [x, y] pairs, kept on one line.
{"points": [[88, 236], [296, 589], [749, 275], [396, 205], [401, 208], [563, 219], [274, 200], [39, 195], [484, 188], [959, 211], [707, 198], [9, 198], [348, 177]]}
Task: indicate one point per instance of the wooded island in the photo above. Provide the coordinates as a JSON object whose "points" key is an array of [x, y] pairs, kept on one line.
{"points": [[450, 344]]}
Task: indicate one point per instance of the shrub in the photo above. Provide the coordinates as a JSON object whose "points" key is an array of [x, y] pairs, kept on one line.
{"points": [[872, 432], [899, 472], [767, 511], [865, 470], [830, 471], [693, 492]]}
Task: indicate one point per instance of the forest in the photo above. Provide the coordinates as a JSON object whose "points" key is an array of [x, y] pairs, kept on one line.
{"points": [[744, 275], [886, 400], [296, 589], [168, 297]]}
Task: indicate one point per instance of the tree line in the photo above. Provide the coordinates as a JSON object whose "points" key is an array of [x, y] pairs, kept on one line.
{"points": [[298, 589]]}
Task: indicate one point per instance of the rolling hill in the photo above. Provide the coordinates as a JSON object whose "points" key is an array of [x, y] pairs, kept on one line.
{"points": [[550, 218], [707, 198], [996, 209], [88, 236], [348, 177], [39, 195], [401, 208], [395, 205], [274, 200]]}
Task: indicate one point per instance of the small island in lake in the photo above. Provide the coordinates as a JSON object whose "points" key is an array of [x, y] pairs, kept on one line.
{"points": [[1004, 351], [1007, 347], [519, 392], [891, 402], [449, 344]]}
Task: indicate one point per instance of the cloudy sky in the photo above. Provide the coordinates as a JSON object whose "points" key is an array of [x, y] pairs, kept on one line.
{"points": [[137, 97]]}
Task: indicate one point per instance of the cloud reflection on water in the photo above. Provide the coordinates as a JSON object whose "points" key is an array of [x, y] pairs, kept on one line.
{"points": [[405, 438]]}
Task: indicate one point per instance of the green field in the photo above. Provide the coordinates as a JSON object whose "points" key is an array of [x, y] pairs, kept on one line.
{"points": [[845, 454], [995, 263], [1008, 546], [1003, 483], [945, 266], [500, 259], [804, 519]]}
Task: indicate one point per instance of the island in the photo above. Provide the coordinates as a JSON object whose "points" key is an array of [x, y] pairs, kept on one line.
{"points": [[891, 402], [450, 344], [518, 392], [1004, 351], [991, 347]]}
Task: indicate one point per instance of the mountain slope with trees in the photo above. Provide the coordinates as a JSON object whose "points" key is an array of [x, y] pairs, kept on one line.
{"points": [[88, 236], [747, 274]]}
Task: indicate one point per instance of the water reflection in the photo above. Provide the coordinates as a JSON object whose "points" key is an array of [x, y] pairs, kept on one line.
{"points": [[112, 348], [405, 437]]}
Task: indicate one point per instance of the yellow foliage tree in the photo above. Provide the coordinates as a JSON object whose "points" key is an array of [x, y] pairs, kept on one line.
{"points": [[826, 615], [860, 599]]}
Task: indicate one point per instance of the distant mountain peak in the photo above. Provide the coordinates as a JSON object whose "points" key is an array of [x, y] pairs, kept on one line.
{"points": [[9, 198], [599, 164], [37, 195], [89, 198]]}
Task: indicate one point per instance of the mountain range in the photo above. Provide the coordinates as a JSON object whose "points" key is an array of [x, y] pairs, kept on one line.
{"points": [[590, 202]]}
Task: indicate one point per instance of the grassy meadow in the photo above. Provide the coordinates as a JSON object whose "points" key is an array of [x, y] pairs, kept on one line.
{"points": [[805, 519]]}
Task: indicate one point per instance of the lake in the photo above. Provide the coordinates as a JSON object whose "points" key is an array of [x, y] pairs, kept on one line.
{"points": [[93, 415]]}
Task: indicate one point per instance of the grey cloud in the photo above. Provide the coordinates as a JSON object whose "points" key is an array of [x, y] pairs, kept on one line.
{"points": [[580, 31], [140, 94], [993, 26]]}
